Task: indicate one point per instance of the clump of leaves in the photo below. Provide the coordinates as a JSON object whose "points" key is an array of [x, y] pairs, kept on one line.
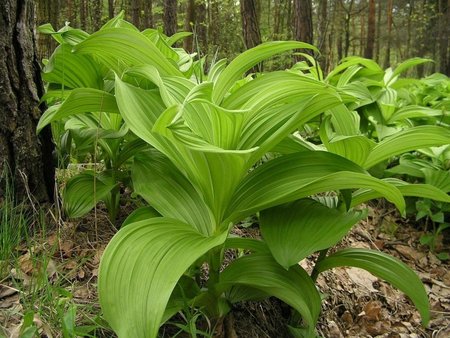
{"points": [[202, 173]]}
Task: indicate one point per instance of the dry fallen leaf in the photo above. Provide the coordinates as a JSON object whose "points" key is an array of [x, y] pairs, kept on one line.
{"points": [[362, 277], [373, 311]]}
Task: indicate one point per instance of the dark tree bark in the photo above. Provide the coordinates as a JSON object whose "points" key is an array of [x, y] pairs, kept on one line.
{"points": [[135, 13], [111, 9], [444, 31], [97, 9], [189, 22], [201, 28], [250, 23], [83, 14], [303, 28], [170, 17], [276, 20], [387, 58], [250, 28], [148, 12], [322, 40], [28, 156], [368, 53], [378, 33]]}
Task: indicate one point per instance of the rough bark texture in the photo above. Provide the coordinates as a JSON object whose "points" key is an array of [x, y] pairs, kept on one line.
{"points": [[28, 156], [111, 9], [303, 28], [322, 30], [97, 10], [368, 53], [170, 17], [387, 58], [189, 22], [148, 10], [444, 32], [250, 28], [250, 24], [135, 13]]}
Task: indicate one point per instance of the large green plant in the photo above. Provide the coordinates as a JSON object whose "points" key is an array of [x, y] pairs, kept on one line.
{"points": [[86, 123], [203, 174]]}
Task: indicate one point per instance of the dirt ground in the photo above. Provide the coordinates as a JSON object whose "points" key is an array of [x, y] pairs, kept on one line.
{"points": [[356, 303]]}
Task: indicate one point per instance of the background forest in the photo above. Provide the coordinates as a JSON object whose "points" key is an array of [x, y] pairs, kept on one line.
{"points": [[387, 31]]}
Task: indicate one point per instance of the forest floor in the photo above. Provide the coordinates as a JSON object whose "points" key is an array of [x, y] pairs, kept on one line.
{"points": [[63, 295]]}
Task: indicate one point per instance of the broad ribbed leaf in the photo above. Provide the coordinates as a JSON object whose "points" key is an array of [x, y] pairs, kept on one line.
{"points": [[119, 47], [438, 178], [72, 70], [385, 267], [173, 89], [214, 124], [84, 191], [140, 268], [406, 189], [410, 112], [296, 230], [247, 60], [80, 101], [355, 148], [141, 214], [407, 140], [162, 185], [293, 286], [294, 176], [404, 66]]}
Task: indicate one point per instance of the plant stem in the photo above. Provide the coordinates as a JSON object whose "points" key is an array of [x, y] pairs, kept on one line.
{"points": [[315, 272]]}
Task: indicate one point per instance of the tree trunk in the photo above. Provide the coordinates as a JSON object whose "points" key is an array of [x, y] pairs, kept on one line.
{"points": [[28, 156], [322, 34], [97, 10], [303, 29], [387, 59], [276, 20], [189, 22], [135, 13], [250, 27], [111, 9], [250, 24], [201, 28], [444, 31], [83, 14], [148, 11], [368, 53], [378, 33], [170, 17]]}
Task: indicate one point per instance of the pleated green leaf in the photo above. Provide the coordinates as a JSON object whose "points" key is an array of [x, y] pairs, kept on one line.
{"points": [[140, 268], [355, 148], [413, 111], [141, 214], [163, 186], [72, 71], [293, 286], [80, 101], [296, 230], [404, 66], [83, 191], [303, 174], [408, 140], [385, 267], [247, 60], [407, 189], [119, 48]]}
